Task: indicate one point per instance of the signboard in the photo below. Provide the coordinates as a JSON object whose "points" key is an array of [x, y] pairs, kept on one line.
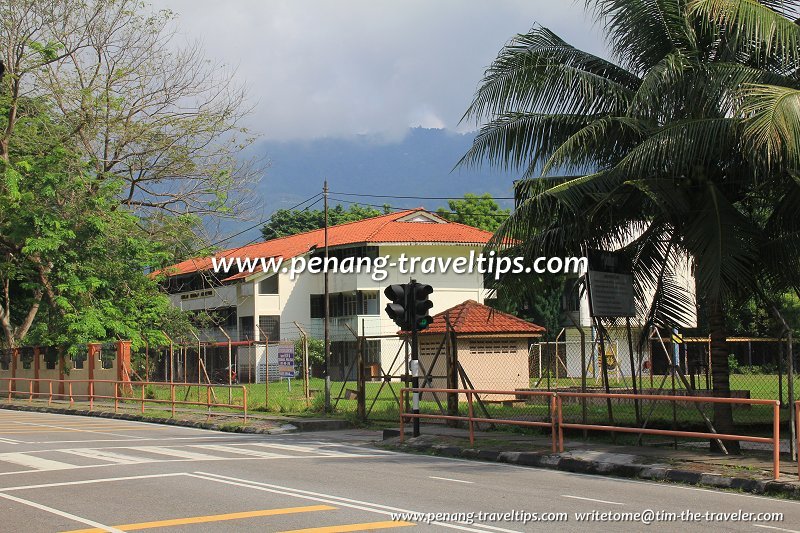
{"points": [[286, 360], [610, 285]]}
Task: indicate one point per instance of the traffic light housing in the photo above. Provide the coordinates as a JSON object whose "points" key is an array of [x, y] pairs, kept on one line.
{"points": [[422, 305], [409, 305], [397, 308]]}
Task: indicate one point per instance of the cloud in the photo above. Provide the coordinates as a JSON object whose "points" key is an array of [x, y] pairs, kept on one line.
{"points": [[336, 68]]}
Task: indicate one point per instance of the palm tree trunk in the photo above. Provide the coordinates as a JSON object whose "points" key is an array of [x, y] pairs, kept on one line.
{"points": [[720, 375]]}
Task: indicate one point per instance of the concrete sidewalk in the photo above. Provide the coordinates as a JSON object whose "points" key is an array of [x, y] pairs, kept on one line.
{"points": [[751, 471]]}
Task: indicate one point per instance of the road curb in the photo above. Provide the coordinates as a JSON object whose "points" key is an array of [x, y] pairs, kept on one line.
{"points": [[581, 466], [293, 427]]}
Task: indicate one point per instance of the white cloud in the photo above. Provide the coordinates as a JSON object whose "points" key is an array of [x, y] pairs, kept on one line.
{"points": [[331, 68]]}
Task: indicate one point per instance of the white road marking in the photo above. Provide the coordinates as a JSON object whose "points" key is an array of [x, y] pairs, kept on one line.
{"points": [[328, 498], [9, 441], [240, 451], [591, 499], [598, 477], [63, 514], [291, 447], [450, 479], [111, 457], [775, 528], [88, 481], [175, 452], [31, 461]]}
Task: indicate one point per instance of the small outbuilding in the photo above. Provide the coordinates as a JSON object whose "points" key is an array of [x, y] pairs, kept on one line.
{"points": [[491, 348]]}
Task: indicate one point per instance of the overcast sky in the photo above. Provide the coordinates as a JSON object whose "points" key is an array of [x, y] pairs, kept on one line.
{"points": [[336, 68]]}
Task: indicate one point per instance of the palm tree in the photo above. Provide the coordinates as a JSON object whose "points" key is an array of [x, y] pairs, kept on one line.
{"points": [[686, 146]]}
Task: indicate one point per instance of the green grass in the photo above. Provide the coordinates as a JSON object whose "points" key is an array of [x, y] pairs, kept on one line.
{"points": [[382, 404]]}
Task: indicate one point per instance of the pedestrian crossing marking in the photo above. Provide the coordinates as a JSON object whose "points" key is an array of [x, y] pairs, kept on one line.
{"points": [[32, 461]]}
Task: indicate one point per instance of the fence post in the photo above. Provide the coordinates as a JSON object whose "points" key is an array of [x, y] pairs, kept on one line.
{"points": [[208, 401], [553, 423], [50, 398], [451, 366], [172, 397], [559, 409], [71, 401], [361, 386], [116, 396], [142, 397], [776, 439], [402, 419], [30, 391], [471, 423], [91, 394], [244, 402], [797, 433]]}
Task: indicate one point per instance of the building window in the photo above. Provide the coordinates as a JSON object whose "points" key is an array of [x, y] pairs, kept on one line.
{"points": [[372, 352], [246, 328], [370, 306], [268, 285], [317, 306], [350, 304], [5, 359], [270, 327]]}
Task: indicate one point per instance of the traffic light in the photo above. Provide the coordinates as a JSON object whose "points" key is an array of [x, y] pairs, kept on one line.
{"points": [[397, 308], [421, 304], [409, 305]]}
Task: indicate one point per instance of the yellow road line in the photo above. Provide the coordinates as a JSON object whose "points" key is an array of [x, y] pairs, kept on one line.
{"points": [[367, 526], [210, 518]]}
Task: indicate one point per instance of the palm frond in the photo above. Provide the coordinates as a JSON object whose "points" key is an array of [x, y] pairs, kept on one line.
{"points": [[772, 122], [642, 32], [753, 25], [521, 139], [538, 72]]}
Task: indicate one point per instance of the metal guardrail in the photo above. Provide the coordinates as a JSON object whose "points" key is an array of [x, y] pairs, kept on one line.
{"points": [[11, 390], [471, 419], [557, 425]]}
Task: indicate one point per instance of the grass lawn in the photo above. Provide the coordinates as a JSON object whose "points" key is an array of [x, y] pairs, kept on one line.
{"points": [[382, 404]]}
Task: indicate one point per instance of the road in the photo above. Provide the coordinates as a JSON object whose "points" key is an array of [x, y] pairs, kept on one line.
{"points": [[71, 473]]}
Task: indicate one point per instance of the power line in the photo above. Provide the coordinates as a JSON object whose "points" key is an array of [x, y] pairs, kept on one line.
{"points": [[414, 197]]}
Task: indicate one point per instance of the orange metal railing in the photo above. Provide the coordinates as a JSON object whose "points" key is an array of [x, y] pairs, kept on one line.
{"points": [[471, 419], [774, 440], [123, 391], [557, 424]]}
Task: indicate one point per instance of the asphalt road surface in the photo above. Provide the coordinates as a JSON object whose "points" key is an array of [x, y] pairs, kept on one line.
{"points": [[71, 473]]}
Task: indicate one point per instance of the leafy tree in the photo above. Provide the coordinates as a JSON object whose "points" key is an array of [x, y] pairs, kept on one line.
{"points": [[681, 149], [477, 211], [72, 262], [155, 117], [286, 222], [316, 353]]}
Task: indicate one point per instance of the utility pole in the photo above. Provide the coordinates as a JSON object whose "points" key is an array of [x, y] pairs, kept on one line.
{"points": [[327, 316]]}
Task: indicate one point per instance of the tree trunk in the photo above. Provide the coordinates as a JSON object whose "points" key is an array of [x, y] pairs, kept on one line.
{"points": [[720, 375]]}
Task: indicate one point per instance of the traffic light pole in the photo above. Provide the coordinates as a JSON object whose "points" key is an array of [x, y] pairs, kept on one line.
{"points": [[414, 359]]}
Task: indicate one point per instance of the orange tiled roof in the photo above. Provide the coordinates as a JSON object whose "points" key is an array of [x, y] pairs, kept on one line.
{"points": [[381, 229], [470, 317]]}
